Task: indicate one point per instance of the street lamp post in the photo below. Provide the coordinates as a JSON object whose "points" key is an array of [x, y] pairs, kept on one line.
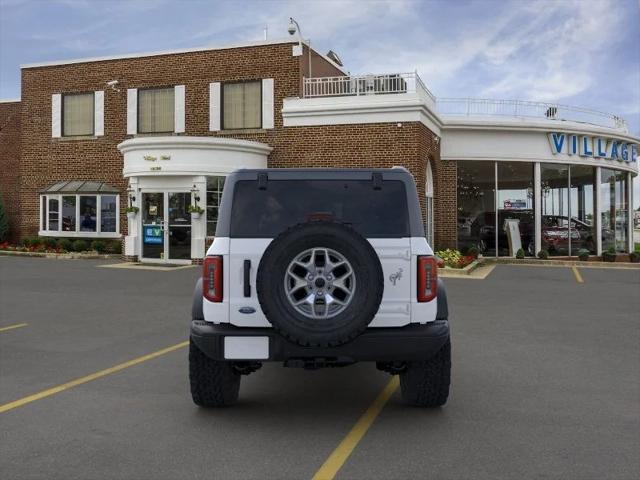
{"points": [[293, 28]]}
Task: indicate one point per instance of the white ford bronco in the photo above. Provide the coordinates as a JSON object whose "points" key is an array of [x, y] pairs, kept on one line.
{"points": [[320, 268]]}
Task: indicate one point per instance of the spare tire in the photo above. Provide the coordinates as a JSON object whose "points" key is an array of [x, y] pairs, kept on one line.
{"points": [[320, 284]]}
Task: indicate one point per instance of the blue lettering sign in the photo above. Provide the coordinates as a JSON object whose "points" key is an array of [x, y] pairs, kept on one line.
{"points": [[601, 147], [557, 142], [634, 153], [614, 150], [573, 146], [586, 148], [624, 153], [153, 235]]}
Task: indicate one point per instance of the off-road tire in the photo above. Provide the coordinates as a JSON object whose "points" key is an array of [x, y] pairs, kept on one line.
{"points": [[336, 330], [426, 384], [213, 383]]}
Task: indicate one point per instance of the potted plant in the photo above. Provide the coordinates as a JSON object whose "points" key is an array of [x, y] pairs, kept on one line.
{"points": [[131, 212], [520, 254], [543, 254], [583, 254], [610, 255], [635, 256], [195, 211]]}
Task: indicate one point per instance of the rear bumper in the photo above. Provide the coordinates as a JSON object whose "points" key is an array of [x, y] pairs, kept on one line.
{"points": [[410, 343]]}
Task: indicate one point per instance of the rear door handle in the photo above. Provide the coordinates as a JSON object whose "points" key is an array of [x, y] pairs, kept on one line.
{"points": [[247, 279]]}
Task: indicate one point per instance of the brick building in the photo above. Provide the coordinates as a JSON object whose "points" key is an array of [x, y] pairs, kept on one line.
{"points": [[158, 132]]}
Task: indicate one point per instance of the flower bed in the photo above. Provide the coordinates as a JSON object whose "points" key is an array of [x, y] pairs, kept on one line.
{"points": [[50, 245], [455, 259]]}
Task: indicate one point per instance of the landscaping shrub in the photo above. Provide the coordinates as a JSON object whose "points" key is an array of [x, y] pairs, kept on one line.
{"points": [[4, 223], [543, 254], [610, 255], [66, 244], [48, 242], [449, 256], [80, 246], [634, 257], [114, 246], [520, 253], [99, 246], [583, 254], [473, 252]]}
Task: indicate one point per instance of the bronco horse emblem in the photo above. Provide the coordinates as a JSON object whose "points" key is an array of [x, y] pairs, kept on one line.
{"points": [[394, 277]]}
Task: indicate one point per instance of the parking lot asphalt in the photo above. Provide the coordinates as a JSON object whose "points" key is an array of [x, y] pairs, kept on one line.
{"points": [[545, 384]]}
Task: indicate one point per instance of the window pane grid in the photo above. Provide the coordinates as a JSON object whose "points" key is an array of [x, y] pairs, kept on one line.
{"points": [[156, 108], [242, 105], [215, 186], [77, 114], [76, 214]]}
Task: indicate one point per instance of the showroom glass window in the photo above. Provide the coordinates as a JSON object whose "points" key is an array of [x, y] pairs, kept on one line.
{"points": [[242, 105], [476, 206], [582, 209], [554, 190], [156, 110], [516, 220], [614, 195], [214, 194], [78, 215], [77, 114]]}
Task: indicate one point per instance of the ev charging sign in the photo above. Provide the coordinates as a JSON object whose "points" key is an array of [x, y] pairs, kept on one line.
{"points": [[590, 146]]}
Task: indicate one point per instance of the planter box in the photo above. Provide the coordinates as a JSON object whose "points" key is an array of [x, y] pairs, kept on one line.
{"points": [[131, 216], [195, 215]]}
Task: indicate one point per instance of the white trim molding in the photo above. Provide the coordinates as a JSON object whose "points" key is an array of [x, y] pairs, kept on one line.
{"points": [[56, 115], [98, 112], [132, 111], [267, 103], [179, 108], [182, 155], [214, 107]]}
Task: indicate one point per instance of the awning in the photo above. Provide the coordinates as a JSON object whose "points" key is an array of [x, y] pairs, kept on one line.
{"points": [[80, 186]]}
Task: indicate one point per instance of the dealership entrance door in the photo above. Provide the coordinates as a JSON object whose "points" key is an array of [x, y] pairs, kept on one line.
{"points": [[166, 227]]}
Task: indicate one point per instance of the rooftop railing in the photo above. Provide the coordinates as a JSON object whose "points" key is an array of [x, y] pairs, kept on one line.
{"points": [[401, 83], [525, 109], [356, 85]]}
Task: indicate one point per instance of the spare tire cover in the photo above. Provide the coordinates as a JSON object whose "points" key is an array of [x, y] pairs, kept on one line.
{"points": [[320, 283]]}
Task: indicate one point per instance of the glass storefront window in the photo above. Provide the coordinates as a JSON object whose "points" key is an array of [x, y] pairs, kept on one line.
{"points": [[614, 195], [88, 212], [53, 213], [69, 213], [214, 194], [582, 209], [108, 213], [515, 207], [476, 206], [554, 190]]}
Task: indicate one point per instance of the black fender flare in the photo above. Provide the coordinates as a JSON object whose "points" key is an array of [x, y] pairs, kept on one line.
{"points": [[196, 304], [443, 306]]}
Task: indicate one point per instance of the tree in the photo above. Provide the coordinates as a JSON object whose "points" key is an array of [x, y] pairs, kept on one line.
{"points": [[4, 223]]}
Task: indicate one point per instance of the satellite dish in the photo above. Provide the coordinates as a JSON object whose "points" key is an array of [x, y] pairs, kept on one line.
{"points": [[334, 57]]}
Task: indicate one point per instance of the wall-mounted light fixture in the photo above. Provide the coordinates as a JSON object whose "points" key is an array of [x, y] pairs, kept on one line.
{"points": [[196, 194], [132, 197]]}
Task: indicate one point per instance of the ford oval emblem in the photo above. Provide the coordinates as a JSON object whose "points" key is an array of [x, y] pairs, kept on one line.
{"points": [[247, 310]]}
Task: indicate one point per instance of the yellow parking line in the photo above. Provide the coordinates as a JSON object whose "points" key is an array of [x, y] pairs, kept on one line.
{"points": [[79, 381], [11, 327], [340, 455], [576, 274]]}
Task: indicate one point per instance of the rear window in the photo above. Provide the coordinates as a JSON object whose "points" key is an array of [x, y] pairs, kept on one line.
{"points": [[372, 213]]}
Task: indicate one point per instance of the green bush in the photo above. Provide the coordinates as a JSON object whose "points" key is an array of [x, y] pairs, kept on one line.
{"points": [[611, 250], [4, 223], [583, 254], [634, 257], [520, 253], [543, 254], [48, 242], [80, 246], [114, 246], [99, 246], [66, 244], [30, 241], [449, 256], [473, 251]]}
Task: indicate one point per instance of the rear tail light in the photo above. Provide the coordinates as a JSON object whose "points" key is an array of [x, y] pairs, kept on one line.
{"points": [[212, 278], [427, 278]]}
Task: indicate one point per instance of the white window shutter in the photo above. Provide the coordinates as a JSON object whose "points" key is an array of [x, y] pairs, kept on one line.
{"points": [[56, 115], [214, 106], [267, 103], [132, 111], [179, 93], [98, 113]]}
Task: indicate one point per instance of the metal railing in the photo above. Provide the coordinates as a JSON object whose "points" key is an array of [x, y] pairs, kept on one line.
{"points": [[356, 85], [526, 109]]}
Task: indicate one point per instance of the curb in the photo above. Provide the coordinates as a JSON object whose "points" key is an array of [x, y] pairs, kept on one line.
{"points": [[62, 256], [564, 263]]}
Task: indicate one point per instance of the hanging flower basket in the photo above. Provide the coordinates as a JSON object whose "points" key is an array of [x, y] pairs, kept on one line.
{"points": [[132, 212], [196, 215], [195, 211]]}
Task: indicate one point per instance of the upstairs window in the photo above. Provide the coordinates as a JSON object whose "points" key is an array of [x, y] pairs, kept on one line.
{"points": [[242, 105], [156, 110], [78, 114]]}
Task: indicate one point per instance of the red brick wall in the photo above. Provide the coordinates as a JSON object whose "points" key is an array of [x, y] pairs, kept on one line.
{"points": [[46, 160], [10, 163]]}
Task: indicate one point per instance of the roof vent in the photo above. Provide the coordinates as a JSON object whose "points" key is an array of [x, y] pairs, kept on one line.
{"points": [[333, 56]]}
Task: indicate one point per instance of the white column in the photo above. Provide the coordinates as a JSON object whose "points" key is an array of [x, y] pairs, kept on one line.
{"points": [[630, 212], [597, 214], [179, 108], [98, 113], [199, 227], [132, 111], [56, 115], [132, 239], [214, 106], [537, 207]]}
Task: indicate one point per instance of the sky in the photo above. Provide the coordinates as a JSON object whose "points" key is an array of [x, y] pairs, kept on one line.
{"points": [[576, 52]]}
